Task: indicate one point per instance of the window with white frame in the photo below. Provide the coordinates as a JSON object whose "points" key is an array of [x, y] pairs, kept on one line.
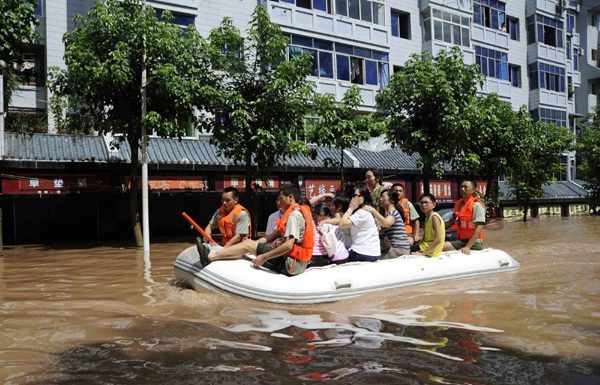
{"points": [[400, 24], [492, 63], [372, 11], [317, 5], [342, 62], [489, 13], [447, 27], [543, 29]]}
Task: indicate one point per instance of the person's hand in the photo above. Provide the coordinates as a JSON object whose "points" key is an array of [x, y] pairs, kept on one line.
{"points": [[416, 237], [328, 195], [418, 253], [205, 240], [368, 208], [258, 261], [353, 204], [465, 250]]}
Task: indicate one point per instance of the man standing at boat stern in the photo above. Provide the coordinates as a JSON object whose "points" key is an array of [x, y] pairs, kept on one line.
{"points": [[469, 215], [291, 255], [232, 219]]}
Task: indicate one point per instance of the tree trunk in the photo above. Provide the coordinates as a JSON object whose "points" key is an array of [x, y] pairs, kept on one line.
{"points": [[342, 165], [525, 212], [133, 193], [250, 195], [490, 194], [425, 183], [1, 240]]}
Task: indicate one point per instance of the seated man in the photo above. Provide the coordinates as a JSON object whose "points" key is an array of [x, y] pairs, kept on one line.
{"points": [[435, 232], [411, 216], [232, 219], [469, 215], [292, 255]]}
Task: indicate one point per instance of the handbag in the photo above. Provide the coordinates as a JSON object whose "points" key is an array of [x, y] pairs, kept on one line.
{"points": [[384, 243], [328, 238]]}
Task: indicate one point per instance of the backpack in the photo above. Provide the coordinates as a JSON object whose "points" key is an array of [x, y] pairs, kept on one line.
{"points": [[328, 238]]}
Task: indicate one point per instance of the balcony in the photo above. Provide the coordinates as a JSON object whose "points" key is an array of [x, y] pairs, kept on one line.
{"points": [[489, 36], [542, 51], [435, 46], [546, 5], [501, 87], [456, 4], [30, 97], [339, 88], [334, 25], [544, 96]]}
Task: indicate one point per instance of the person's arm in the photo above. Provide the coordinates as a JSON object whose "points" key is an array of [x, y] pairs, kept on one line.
{"points": [[333, 221], [438, 236], [319, 197], [416, 230], [279, 251], [269, 238], [478, 229], [236, 239], [385, 222], [415, 222], [208, 230], [346, 222]]}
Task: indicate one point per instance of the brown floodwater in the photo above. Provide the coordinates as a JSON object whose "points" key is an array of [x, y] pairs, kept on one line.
{"points": [[107, 315]]}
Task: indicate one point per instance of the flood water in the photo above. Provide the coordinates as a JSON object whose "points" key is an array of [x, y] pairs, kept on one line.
{"points": [[107, 315]]}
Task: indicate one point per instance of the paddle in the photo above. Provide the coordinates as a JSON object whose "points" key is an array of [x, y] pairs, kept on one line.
{"points": [[198, 227]]}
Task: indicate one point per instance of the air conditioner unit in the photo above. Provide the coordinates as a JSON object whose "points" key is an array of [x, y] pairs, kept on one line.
{"points": [[561, 5], [579, 51]]}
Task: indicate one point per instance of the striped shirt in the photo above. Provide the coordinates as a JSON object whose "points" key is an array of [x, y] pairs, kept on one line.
{"points": [[396, 233], [319, 248]]}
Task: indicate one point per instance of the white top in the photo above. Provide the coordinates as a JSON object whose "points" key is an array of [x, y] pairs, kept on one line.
{"points": [[272, 222], [365, 235]]}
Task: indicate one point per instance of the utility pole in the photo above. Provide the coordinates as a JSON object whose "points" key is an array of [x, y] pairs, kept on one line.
{"points": [[145, 214]]}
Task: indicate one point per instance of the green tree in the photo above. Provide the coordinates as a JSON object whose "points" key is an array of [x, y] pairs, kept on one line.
{"points": [[261, 100], [588, 151], [543, 145], [340, 125], [428, 108], [103, 84], [16, 28], [496, 144]]}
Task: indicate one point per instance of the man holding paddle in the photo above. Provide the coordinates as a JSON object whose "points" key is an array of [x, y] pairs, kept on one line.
{"points": [[232, 219]]}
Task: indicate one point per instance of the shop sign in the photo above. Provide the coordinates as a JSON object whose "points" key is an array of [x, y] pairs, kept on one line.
{"points": [[389, 183], [513, 212], [549, 210], [481, 187], [239, 182], [177, 183], [316, 187], [441, 190], [56, 184]]}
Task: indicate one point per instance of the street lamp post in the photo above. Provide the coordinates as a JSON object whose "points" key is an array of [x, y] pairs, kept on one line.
{"points": [[145, 214]]}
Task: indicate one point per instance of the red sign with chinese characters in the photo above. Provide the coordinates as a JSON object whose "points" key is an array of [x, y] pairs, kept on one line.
{"points": [[56, 184], [481, 187], [439, 189], [389, 183], [318, 187], [177, 183], [239, 182]]}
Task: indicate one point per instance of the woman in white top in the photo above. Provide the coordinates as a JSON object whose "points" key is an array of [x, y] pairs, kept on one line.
{"points": [[364, 229]]}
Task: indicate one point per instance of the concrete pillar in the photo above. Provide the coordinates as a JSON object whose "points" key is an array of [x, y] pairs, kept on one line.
{"points": [[1, 117], [56, 26]]}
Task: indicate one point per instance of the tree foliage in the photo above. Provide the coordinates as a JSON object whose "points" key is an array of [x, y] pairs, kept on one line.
{"points": [[16, 28], [428, 108], [340, 125], [543, 144], [259, 104], [588, 151], [103, 87]]}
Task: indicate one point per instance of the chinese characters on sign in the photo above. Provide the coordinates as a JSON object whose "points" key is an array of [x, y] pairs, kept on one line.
{"points": [[579, 209], [389, 183], [177, 183], [319, 187], [239, 182], [512, 212], [549, 210], [439, 189]]}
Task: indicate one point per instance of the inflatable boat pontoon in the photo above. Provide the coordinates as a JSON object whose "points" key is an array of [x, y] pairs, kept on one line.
{"points": [[335, 283]]}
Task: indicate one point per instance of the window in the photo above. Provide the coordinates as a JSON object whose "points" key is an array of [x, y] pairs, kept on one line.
{"points": [[342, 62], [551, 77], [179, 19], [576, 61], [401, 24], [366, 10], [30, 66], [570, 20], [489, 13], [563, 162], [545, 30], [492, 63], [317, 5], [513, 28], [39, 10], [448, 27], [550, 116], [569, 48], [514, 75]]}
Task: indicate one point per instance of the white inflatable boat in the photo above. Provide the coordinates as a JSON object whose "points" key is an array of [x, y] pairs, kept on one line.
{"points": [[334, 283]]}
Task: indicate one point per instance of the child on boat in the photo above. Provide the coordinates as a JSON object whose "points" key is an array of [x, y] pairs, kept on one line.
{"points": [[292, 255], [321, 253], [435, 231]]}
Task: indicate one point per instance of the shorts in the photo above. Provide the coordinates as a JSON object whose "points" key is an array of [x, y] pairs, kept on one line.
{"points": [[353, 256], [478, 245], [319, 260], [281, 264], [394, 253]]}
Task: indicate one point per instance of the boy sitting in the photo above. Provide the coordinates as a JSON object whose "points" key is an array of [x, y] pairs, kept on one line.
{"points": [[435, 231], [292, 255]]}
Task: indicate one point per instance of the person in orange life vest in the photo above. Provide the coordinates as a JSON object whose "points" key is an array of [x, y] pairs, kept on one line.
{"points": [[232, 219], [411, 216], [469, 215], [292, 254]]}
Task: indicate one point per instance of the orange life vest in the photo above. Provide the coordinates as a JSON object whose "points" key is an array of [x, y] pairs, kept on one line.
{"points": [[304, 251], [228, 222], [466, 227], [405, 203]]}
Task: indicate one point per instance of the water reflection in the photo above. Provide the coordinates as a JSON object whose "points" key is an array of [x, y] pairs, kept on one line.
{"points": [[109, 315]]}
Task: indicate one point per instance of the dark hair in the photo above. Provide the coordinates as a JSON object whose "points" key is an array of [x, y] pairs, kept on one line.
{"points": [[472, 181], [376, 173], [393, 194], [398, 184], [430, 196], [363, 191], [232, 190], [291, 189], [303, 201], [341, 200], [321, 208]]}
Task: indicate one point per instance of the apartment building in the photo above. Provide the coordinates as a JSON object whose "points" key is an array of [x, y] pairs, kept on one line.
{"points": [[536, 53]]}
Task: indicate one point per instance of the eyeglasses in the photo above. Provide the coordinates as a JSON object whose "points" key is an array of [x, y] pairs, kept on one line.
{"points": [[356, 195]]}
